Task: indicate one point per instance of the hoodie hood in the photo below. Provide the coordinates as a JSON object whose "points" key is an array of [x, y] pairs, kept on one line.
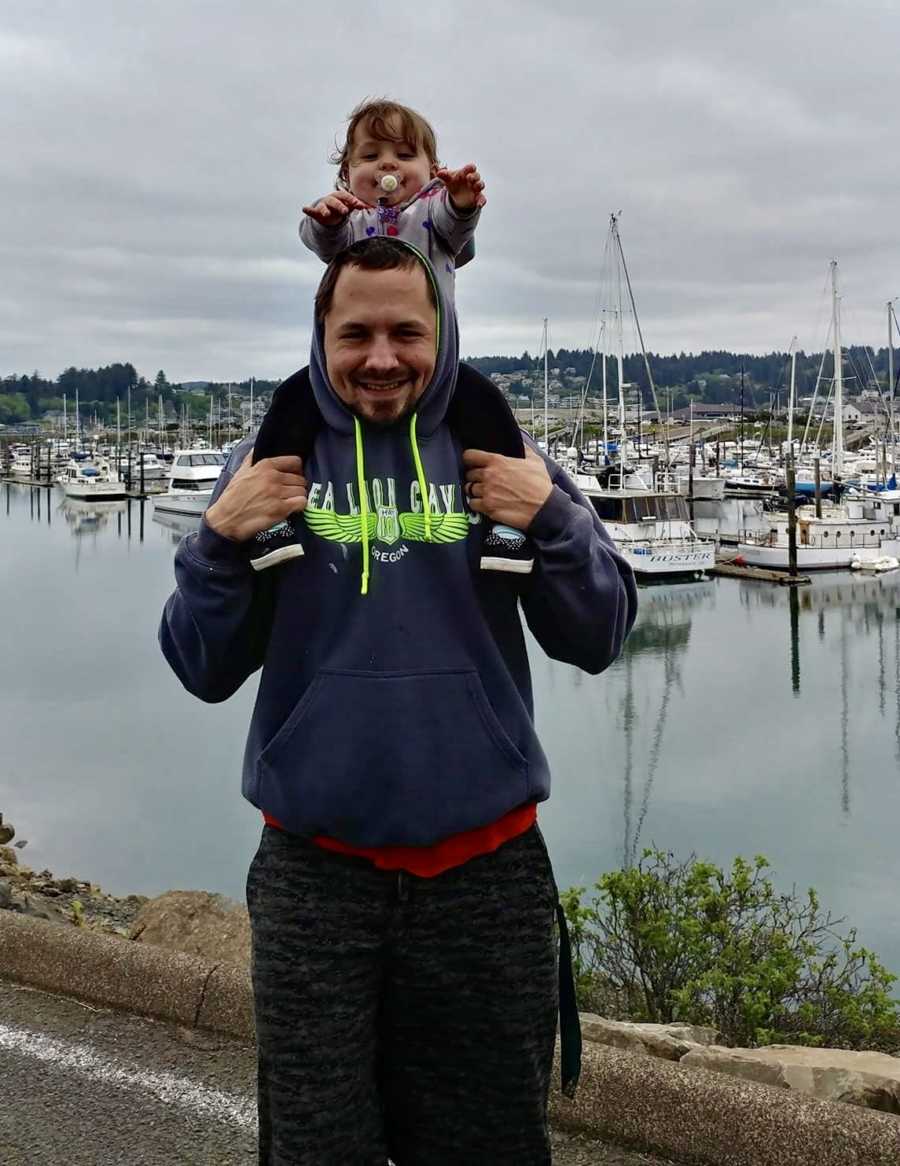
{"points": [[432, 406]]}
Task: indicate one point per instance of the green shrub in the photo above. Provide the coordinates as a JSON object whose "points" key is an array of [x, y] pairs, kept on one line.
{"points": [[685, 941]]}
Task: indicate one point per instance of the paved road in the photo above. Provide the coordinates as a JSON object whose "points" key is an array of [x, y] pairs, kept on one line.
{"points": [[81, 1086]]}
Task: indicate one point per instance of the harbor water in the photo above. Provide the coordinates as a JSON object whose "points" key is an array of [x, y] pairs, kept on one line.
{"points": [[743, 718]]}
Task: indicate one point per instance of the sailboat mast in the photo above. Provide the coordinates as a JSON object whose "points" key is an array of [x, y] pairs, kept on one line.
{"points": [[793, 398], [605, 409], [890, 315], [837, 457], [546, 385]]}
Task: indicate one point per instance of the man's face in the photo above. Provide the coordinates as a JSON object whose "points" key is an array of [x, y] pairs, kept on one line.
{"points": [[380, 341]]}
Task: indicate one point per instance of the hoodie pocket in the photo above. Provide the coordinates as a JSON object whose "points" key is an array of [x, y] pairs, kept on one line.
{"points": [[391, 758]]}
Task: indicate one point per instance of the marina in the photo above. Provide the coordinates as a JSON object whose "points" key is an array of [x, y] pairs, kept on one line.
{"points": [[743, 718]]}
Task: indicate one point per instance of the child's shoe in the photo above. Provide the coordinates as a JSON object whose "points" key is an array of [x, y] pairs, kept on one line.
{"points": [[506, 549], [289, 427], [276, 545]]}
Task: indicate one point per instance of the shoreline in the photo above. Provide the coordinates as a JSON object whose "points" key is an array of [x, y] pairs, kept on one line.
{"points": [[78, 902]]}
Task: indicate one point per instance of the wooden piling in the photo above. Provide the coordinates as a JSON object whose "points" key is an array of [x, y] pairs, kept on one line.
{"points": [[792, 516]]}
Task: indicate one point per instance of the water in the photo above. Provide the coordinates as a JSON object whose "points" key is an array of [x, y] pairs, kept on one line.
{"points": [[743, 719]]}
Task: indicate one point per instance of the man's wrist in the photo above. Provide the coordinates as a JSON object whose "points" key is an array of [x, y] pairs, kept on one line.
{"points": [[218, 524]]}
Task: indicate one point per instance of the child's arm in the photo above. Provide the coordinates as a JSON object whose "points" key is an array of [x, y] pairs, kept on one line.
{"points": [[455, 214], [326, 228]]}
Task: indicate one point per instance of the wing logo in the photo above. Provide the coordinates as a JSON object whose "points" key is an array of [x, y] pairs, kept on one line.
{"points": [[385, 525]]}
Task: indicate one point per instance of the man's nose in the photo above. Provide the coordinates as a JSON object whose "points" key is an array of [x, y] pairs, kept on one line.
{"points": [[381, 354]]}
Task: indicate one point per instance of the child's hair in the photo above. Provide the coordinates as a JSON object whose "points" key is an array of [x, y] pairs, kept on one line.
{"points": [[386, 121]]}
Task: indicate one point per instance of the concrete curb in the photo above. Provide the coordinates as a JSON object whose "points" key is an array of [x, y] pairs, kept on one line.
{"points": [[696, 1116], [691, 1115], [133, 977]]}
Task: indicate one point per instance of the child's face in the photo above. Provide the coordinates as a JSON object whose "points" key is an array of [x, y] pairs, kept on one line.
{"points": [[371, 158]]}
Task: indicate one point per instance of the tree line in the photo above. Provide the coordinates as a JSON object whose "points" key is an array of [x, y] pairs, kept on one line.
{"points": [[29, 397], [711, 377]]}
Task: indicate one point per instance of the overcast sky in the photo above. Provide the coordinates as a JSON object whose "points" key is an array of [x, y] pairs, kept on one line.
{"points": [[155, 157]]}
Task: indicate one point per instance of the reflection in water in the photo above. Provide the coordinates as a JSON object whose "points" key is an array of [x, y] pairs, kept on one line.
{"points": [[795, 640], [663, 630], [845, 719], [84, 517], [897, 683], [178, 524]]}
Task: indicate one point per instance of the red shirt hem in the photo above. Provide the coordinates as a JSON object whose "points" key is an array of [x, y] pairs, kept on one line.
{"points": [[428, 861]]}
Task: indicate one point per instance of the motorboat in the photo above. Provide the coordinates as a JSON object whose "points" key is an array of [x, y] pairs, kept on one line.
{"points": [[193, 476], [88, 480]]}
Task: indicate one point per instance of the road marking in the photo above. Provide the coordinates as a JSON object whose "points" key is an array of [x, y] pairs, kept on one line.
{"points": [[169, 1088]]}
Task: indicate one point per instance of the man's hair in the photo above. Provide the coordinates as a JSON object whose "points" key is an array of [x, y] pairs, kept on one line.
{"points": [[386, 121], [376, 254]]}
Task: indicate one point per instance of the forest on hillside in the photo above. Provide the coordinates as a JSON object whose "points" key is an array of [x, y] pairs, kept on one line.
{"points": [[712, 377]]}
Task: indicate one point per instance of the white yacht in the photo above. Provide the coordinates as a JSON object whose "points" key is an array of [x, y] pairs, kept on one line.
{"points": [[89, 480], [194, 474], [20, 463]]}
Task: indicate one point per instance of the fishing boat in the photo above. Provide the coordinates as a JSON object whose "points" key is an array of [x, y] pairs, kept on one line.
{"points": [[651, 527], [193, 476]]}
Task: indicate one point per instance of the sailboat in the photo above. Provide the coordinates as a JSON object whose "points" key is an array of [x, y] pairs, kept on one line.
{"points": [[857, 529], [643, 512]]}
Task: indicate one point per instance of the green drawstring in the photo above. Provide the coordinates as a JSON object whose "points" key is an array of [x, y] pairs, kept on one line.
{"points": [[364, 498], [363, 506], [420, 475]]}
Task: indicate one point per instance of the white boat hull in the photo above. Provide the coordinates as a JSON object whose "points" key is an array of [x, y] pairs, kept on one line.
{"points": [[99, 492], [668, 560], [187, 503], [812, 558]]}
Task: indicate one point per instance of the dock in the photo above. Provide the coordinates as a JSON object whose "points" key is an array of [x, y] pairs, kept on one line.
{"points": [[760, 574]]}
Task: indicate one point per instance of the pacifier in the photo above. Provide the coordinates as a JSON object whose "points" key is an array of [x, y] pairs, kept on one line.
{"points": [[388, 183]]}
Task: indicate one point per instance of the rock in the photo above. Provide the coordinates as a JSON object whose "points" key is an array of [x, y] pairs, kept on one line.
{"points": [[8, 856], [198, 923], [867, 1079], [21, 844], [670, 1042], [7, 833], [27, 904]]}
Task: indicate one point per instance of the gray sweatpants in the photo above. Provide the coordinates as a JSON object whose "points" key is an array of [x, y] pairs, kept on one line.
{"points": [[400, 1016]]}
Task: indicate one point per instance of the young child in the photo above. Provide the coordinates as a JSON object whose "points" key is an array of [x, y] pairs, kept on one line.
{"points": [[390, 182]]}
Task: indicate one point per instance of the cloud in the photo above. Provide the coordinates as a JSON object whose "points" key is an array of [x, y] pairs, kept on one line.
{"points": [[155, 164]]}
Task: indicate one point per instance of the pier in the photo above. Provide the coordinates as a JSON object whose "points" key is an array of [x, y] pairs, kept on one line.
{"points": [[734, 570]]}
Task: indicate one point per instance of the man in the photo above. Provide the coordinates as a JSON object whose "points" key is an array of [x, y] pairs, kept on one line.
{"points": [[401, 899]]}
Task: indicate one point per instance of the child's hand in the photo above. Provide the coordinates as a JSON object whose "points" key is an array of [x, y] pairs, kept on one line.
{"points": [[464, 186], [332, 209]]}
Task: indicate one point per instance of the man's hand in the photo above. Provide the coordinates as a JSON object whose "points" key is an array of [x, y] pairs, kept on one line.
{"points": [[332, 209], [510, 490], [258, 497], [464, 186]]}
